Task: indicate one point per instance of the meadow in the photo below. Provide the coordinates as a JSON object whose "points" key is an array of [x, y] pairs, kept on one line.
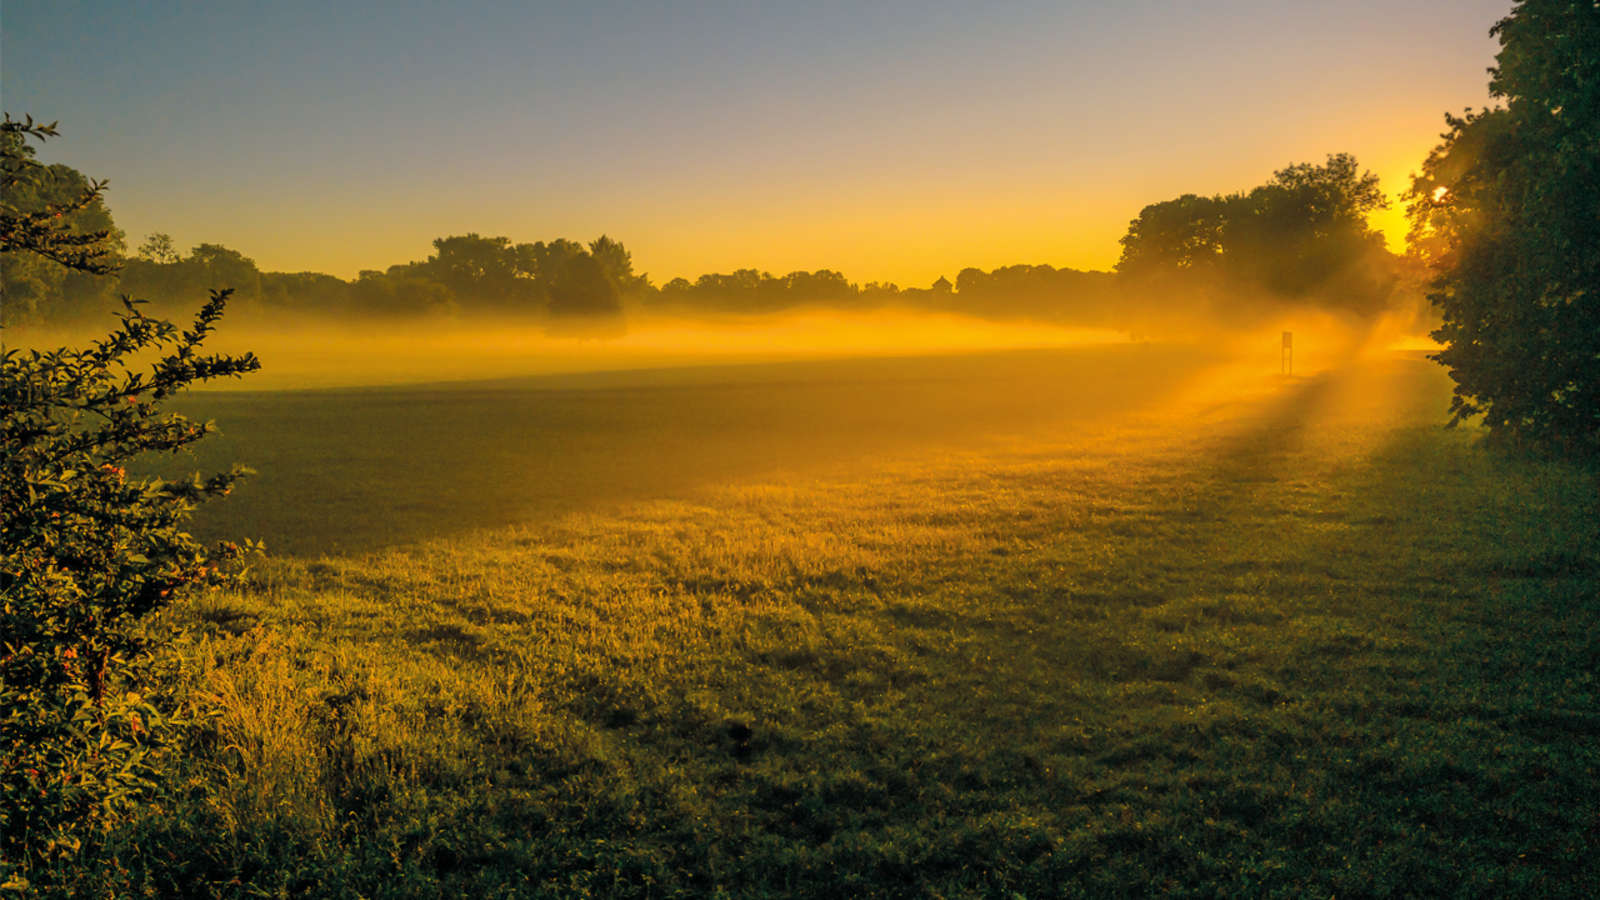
{"points": [[1121, 620]]}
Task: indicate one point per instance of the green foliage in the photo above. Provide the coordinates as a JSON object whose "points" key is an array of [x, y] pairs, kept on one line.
{"points": [[88, 553], [1506, 211], [57, 236]]}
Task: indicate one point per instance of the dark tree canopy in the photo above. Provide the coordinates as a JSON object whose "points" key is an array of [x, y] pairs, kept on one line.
{"points": [[1182, 233], [617, 263], [582, 287], [1303, 236], [481, 271], [1506, 211], [466, 274], [157, 270], [60, 242]]}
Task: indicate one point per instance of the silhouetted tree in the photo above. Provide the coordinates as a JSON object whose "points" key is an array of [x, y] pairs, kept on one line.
{"points": [[310, 292], [158, 248], [60, 242], [749, 291], [218, 267], [1303, 236], [481, 272], [1033, 292], [1507, 213], [879, 293], [617, 263], [1183, 233], [823, 287], [403, 290], [207, 267], [582, 288]]}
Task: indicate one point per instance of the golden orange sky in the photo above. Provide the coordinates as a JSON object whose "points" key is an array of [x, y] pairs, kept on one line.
{"points": [[892, 142]]}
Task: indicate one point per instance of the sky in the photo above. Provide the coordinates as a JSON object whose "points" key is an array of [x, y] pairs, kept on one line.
{"points": [[891, 141]]}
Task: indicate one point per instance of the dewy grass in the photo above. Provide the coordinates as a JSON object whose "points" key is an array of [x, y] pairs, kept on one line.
{"points": [[1307, 644]]}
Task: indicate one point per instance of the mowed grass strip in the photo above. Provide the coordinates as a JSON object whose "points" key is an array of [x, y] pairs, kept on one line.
{"points": [[1307, 645]]}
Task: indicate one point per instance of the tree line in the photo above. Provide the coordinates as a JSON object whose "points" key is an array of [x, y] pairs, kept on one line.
{"points": [[1301, 238], [465, 273], [1304, 236]]}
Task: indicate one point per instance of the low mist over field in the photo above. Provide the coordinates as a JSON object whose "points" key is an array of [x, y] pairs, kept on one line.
{"points": [[318, 353], [301, 351], [778, 451], [508, 424]]}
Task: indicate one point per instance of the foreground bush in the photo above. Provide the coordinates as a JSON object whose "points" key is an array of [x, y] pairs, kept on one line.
{"points": [[86, 552]]}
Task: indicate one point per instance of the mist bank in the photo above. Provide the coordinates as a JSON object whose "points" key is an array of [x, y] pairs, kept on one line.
{"points": [[313, 351], [758, 318]]}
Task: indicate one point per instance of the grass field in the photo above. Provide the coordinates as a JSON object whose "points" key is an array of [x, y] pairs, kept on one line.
{"points": [[358, 469], [1120, 621]]}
